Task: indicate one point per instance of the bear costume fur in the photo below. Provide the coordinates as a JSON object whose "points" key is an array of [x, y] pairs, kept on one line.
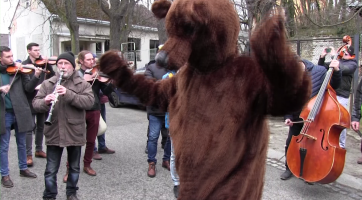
{"points": [[218, 101]]}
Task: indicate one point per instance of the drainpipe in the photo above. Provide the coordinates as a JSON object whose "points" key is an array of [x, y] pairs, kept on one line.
{"points": [[51, 36], [11, 22]]}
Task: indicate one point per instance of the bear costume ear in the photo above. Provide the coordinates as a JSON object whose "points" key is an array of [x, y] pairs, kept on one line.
{"points": [[160, 8]]}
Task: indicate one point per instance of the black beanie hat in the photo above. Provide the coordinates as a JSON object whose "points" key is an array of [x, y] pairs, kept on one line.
{"points": [[350, 51], [69, 56]]}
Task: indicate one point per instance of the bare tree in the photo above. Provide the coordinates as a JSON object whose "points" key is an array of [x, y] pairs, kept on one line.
{"points": [[67, 12], [119, 12]]}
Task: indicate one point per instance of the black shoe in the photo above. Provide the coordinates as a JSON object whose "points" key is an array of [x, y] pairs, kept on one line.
{"points": [[72, 197], [175, 190], [287, 174], [6, 182], [146, 150], [48, 199], [28, 174]]}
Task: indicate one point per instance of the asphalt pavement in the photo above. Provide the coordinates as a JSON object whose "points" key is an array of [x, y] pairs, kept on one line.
{"points": [[123, 175]]}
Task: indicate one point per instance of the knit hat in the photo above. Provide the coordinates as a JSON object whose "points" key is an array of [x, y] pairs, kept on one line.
{"points": [[350, 51], [69, 56]]}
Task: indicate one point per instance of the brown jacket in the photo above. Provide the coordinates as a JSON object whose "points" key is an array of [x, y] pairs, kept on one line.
{"points": [[68, 117]]}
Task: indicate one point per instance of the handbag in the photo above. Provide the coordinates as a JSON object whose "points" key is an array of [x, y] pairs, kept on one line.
{"points": [[102, 126]]}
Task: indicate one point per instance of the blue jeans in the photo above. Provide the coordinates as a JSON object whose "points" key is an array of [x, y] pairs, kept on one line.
{"points": [[174, 175], [54, 155], [4, 145], [102, 138], [343, 136], [155, 125]]}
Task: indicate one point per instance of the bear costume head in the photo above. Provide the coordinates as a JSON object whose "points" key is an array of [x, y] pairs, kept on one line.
{"points": [[201, 22]]}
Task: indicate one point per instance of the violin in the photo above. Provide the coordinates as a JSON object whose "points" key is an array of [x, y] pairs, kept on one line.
{"points": [[90, 75], [341, 50], [25, 69], [50, 61]]}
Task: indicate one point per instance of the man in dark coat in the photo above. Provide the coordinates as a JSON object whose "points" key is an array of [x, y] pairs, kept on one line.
{"points": [[317, 74], [34, 55], [156, 119], [14, 108], [74, 96]]}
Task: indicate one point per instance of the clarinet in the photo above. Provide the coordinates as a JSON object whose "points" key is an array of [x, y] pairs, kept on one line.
{"points": [[49, 119]]}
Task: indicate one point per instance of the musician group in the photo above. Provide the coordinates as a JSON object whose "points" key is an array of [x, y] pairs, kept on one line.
{"points": [[68, 101]]}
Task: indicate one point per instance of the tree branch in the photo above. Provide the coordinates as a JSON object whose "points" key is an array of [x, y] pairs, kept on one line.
{"points": [[323, 26]]}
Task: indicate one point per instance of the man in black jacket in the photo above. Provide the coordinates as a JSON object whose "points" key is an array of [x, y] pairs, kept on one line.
{"points": [[156, 120], [14, 110], [348, 66], [34, 55], [317, 74]]}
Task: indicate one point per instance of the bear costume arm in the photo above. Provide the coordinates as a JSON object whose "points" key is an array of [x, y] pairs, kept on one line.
{"points": [[148, 91], [287, 86]]}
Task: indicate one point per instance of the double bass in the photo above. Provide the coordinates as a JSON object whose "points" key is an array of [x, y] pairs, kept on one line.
{"points": [[315, 155]]}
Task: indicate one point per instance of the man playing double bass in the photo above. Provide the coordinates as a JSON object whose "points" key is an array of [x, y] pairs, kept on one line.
{"points": [[317, 74], [348, 66], [34, 55]]}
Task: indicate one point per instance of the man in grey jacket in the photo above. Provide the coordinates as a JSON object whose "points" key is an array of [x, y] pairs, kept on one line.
{"points": [[14, 108], [71, 98]]}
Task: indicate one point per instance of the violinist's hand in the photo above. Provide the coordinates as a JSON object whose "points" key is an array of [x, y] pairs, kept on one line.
{"points": [[5, 89], [61, 90], [19, 66], [49, 98], [335, 65], [288, 122], [38, 71], [355, 126]]}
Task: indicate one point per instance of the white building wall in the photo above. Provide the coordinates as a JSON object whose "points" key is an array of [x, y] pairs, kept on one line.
{"points": [[30, 25]]}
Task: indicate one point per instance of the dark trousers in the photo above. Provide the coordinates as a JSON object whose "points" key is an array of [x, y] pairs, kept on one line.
{"points": [[92, 121], [54, 155], [40, 118], [293, 130]]}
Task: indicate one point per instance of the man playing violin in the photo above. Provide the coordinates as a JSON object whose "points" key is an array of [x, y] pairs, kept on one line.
{"points": [[85, 58], [317, 74], [33, 58], [348, 66], [14, 108]]}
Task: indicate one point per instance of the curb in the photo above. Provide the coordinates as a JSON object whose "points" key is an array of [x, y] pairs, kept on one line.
{"points": [[344, 179]]}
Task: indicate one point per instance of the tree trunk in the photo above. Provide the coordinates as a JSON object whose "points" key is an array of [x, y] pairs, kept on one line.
{"points": [[115, 32], [162, 34], [74, 41], [72, 24]]}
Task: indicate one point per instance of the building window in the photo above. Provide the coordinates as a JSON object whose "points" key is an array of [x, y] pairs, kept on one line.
{"points": [[153, 48], [99, 48], [133, 47]]}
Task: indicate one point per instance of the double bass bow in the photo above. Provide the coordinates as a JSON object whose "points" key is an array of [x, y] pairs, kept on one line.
{"points": [[315, 155]]}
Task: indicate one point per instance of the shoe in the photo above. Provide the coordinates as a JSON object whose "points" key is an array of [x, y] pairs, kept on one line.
{"points": [[6, 182], [29, 161], [40, 154], [151, 169], [28, 174], [175, 191], [72, 197], [106, 151], [359, 161], [65, 178], [89, 171], [287, 174], [48, 199], [166, 164], [96, 156], [146, 150]]}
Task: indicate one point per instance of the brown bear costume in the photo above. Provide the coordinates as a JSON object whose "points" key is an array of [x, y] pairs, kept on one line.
{"points": [[218, 101]]}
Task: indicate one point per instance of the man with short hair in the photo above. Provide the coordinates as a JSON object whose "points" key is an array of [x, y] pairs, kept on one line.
{"points": [[348, 66], [69, 96], [14, 111], [34, 55], [85, 58]]}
